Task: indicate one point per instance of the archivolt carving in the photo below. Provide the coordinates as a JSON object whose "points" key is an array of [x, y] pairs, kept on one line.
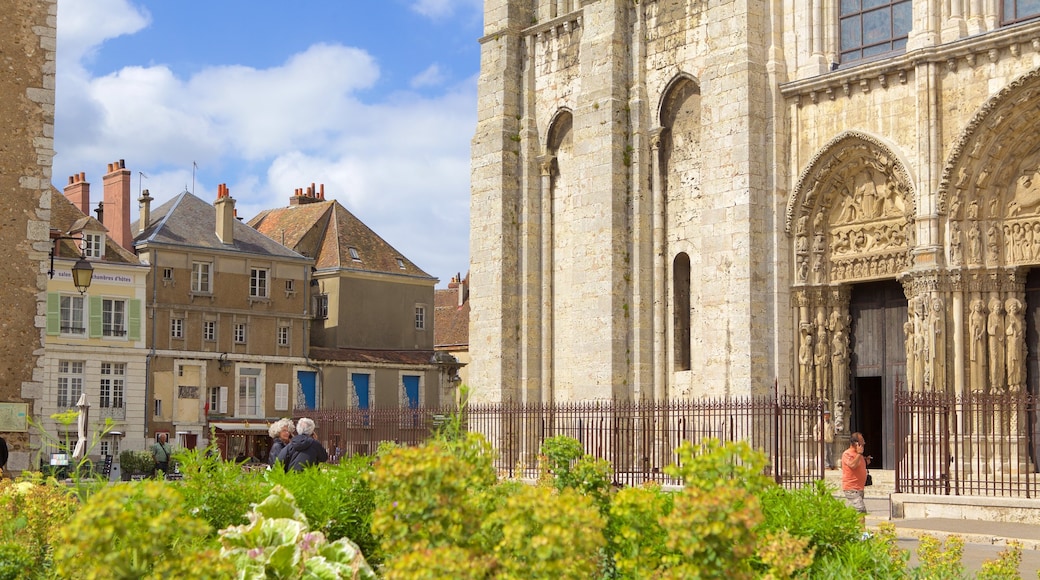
{"points": [[860, 206], [996, 120], [849, 146]]}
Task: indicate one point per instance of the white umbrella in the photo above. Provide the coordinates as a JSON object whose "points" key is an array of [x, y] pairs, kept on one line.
{"points": [[81, 424]]}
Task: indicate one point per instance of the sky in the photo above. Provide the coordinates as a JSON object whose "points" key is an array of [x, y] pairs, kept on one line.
{"points": [[375, 99]]}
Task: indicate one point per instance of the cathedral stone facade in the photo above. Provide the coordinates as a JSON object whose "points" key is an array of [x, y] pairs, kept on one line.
{"points": [[684, 198]]}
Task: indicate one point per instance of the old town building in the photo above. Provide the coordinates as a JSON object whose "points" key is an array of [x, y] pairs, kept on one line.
{"points": [[95, 340], [227, 335], [676, 198], [372, 321]]}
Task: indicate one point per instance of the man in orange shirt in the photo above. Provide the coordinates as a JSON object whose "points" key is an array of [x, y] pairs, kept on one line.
{"points": [[854, 472]]}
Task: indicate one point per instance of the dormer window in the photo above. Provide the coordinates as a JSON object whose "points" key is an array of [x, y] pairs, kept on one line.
{"points": [[93, 246], [354, 254], [400, 263]]}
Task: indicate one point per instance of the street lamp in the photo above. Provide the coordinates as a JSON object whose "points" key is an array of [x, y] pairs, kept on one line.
{"points": [[82, 271]]}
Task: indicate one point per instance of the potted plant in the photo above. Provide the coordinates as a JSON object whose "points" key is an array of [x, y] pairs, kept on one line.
{"points": [[133, 463]]}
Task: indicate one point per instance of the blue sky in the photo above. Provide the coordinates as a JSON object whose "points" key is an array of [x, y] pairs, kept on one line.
{"points": [[374, 98]]}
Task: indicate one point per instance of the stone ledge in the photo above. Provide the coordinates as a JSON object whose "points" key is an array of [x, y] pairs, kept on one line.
{"points": [[996, 509]]}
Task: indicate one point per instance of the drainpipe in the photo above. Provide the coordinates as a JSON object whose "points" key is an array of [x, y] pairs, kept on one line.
{"points": [[151, 351]]}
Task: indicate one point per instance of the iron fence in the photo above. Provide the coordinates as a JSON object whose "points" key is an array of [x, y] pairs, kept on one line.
{"points": [[977, 444], [639, 439]]}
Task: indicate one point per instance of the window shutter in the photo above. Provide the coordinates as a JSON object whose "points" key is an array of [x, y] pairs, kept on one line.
{"points": [[95, 317], [222, 402], [133, 318], [281, 396], [53, 314]]}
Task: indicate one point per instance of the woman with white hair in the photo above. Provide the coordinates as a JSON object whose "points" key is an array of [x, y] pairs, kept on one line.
{"points": [[282, 432], [304, 449]]}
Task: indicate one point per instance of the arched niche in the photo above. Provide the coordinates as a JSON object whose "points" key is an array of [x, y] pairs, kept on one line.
{"points": [[852, 214], [989, 193], [680, 118]]}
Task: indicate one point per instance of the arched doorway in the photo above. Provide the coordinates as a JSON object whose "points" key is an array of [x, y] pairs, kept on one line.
{"points": [[877, 364]]}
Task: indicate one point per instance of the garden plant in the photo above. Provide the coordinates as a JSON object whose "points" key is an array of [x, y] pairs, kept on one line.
{"points": [[440, 510]]}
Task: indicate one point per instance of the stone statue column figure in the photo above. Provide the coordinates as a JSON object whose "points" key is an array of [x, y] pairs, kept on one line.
{"points": [[955, 244], [921, 332], [992, 245], [821, 360], [805, 362], [977, 346], [997, 334], [839, 364], [1016, 346], [938, 346], [974, 244], [908, 332]]}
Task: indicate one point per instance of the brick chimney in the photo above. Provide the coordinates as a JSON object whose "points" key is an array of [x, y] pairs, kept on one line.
{"points": [[310, 195], [117, 204], [78, 192], [225, 214], [144, 207]]}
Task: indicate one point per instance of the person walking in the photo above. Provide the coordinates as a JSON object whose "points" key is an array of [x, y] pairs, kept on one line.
{"points": [[161, 454], [854, 472], [282, 432], [304, 449]]}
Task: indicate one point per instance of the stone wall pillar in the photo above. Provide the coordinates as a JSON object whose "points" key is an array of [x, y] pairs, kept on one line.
{"points": [[546, 194]]}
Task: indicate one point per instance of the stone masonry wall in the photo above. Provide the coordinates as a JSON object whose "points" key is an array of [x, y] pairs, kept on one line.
{"points": [[27, 56]]}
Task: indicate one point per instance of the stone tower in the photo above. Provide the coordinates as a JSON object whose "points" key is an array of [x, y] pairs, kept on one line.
{"points": [[622, 146], [27, 50], [681, 198]]}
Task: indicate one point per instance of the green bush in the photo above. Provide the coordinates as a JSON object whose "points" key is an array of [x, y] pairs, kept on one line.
{"points": [[32, 513], [543, 534], [16, 563], [217, 491], [136, 530], [336, 499], [277, 543], [560, 453], [877, 557], [431, 496], [136, 462], [810, 512], [635, 534]]}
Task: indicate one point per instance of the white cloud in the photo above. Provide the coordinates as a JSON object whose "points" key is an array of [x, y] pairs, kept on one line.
{"points": [[401, 165], [84, 24], [438, 9], [430, 77]]}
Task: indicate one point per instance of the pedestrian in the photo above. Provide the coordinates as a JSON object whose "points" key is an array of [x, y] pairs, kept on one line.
{"points": [[3, 457], [282, 432], [161, 453], [304, 449], [854, 472]]}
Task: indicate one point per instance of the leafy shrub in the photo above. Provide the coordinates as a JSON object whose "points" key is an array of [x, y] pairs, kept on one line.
{"points": [[715, 464], [810, 512], [336, 499], [541, 533], [16, 563], [430, 496], [217, 491], [138, 530], [278, 544], [439, 563], [940, 560], [560, 453], [876, 558], [32, 513], [635, 534], [1005, 567], [136, 462]]}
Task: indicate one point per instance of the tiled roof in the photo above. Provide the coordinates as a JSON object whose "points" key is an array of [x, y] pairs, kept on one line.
{"points": [[450, 321], [326, 231], [189, 221], [66, 217], [361, 355]]}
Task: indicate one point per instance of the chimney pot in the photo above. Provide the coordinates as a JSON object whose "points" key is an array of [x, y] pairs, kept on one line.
{"points": [[72, 179], [322, 196]]}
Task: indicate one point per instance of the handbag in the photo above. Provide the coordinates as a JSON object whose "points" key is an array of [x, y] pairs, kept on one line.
{"points": [[870, 480]]}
